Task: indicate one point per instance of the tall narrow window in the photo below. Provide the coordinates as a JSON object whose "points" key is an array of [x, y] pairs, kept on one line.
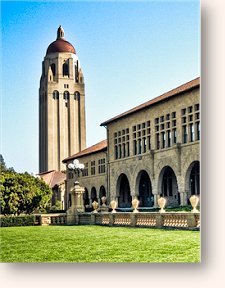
{"points": [[53, 68], [144, 145], [169, 138], [128, 149], [120, 152], [124, 151], [66, 95], [198, 130], [77, 96], [174, 136], [192, 132], [135, 147], [157, 141], [139, 146], [56, 95], [185, 134], [65, 69], [116, 152], [163, 139]]}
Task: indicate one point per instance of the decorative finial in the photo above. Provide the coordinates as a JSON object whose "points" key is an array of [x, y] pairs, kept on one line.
{"points": [[60, 33]]}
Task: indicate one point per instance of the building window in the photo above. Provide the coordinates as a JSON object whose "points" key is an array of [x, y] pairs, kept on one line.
{"points": [[92, 167], [56, 95], [191, 124], [185, 134], [77, 96], [53, 68], [163, 139], [66, 85], [66, 95], [140, 138], [174, 136], [101, 166], [164, 130], [85, 171], [192, 132], [168, 138], [157, 141], [198, 130], [121, 144], [65, 69]]}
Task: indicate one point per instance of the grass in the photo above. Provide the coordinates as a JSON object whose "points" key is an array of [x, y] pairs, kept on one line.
{"points": [[98, 244]]}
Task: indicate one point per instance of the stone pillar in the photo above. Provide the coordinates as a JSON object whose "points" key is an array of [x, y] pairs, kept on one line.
{"points": [[183, 198], [77, 205]]}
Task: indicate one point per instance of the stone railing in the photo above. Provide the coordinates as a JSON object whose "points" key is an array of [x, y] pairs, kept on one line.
{"points": [[50, 219], [179, 220]]}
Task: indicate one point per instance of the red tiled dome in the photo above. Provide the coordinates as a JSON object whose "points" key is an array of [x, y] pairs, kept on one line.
{"points": [[60, 45]]}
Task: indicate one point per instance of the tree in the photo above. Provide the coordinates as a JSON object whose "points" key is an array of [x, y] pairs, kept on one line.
{"points": [[22, 193], [2, 164]]}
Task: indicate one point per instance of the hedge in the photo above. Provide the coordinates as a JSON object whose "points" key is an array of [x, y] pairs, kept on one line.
{"points": [[10, 221]]}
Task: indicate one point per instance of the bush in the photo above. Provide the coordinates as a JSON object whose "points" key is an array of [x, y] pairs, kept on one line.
{"points": [[10, 221]]}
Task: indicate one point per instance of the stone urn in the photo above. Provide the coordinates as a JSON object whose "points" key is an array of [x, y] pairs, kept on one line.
{"points": [[194, 203], [113, 205], [95, 206], [162, 204], [135, 203], [103, 201]]}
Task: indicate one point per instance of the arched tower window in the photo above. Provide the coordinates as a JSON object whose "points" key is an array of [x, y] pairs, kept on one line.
{"points": [[77, 96], [66, 95], [65, 69], [53, 68], [56, 95]]}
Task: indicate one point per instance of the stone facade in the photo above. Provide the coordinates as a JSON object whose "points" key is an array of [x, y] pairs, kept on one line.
{"points": [[62, 127], [176, 160], [93, 178], [153, 150]]}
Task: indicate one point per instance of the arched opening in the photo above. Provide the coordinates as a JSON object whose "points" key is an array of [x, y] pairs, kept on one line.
{"points": [[194, 180], [65, 69], [146, 197], [77, 96], [102, 192], [66, 95], [124, 199], [93, 195], [169, 188], [86, 198], [53, 68], [56, 95]]}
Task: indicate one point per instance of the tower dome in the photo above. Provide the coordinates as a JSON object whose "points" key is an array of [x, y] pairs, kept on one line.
{"points": [[60, 44]]}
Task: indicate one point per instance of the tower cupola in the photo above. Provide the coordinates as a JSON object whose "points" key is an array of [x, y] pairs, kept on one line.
{"points": [[60, 44]]}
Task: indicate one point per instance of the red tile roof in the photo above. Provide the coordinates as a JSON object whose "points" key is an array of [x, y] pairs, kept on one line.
{"points": [[181, 89], [53, 177], [101, 146]]}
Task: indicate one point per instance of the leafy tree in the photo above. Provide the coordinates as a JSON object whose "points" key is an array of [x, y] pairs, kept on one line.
{"points": [[22, 193], [2, 164]]}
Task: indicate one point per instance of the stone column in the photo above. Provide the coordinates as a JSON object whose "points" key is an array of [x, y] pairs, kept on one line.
{"points": [[77, 205], [183, 198]]}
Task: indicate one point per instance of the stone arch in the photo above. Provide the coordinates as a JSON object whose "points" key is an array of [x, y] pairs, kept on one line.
{"points": [[168, 186], [102, 192], [93, 195], [86, 197], [123, 191], [192, 179], [143, 189]]}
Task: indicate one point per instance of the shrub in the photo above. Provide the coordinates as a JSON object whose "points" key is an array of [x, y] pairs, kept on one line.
{"points": [[10, 221]]}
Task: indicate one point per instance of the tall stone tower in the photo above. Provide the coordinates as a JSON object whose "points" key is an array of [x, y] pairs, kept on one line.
{"points": [[62, 125]]}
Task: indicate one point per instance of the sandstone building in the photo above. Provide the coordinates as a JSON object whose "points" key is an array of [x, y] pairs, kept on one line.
{"points": [[151, 150], [62, 127]]}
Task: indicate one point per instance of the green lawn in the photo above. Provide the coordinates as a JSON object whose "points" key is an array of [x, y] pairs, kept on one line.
{"points": [[98, 244]]}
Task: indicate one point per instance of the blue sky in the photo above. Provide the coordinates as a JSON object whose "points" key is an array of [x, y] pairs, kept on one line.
{"points": [[129, 51]]}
